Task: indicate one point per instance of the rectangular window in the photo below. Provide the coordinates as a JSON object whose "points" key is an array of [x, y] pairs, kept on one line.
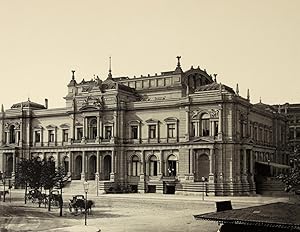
{"points": [[153, 168], [171, 130], [291, 133], [205, 127], [108, 132], [51, 136], [297, 132], [152, 131], [255, 133], [134, 132], [65, 135], [79, 133], [216, 125], [37, 136], [194, 129]]}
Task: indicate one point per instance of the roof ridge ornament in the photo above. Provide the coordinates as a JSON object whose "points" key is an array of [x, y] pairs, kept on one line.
{"points": [[248, 94], [73, 74], [109, 71], [237, 89], [178, 62]]}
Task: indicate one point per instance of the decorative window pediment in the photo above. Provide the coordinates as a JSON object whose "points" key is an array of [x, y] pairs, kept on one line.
{"points": [[38, 127], [171, 119], [152, 121], [51, 127], [134, 122], [65, 125], [78, 124]]}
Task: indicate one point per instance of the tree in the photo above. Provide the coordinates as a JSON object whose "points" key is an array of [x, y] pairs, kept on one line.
{"points": [[292, 178], [60, 178], [28, 174], [47, 177]]}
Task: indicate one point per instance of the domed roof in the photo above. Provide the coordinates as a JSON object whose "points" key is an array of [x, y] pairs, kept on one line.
{"points": [[28, 104]]}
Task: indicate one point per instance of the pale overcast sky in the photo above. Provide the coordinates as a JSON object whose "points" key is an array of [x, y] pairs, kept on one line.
{"points": [[254, 43]]}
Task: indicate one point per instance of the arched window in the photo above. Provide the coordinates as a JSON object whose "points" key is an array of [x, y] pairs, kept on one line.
{"points": [[135, 165], [172, 163], [12, 134], [92, 128], [202, 167], [153, 166], [205, 124]]}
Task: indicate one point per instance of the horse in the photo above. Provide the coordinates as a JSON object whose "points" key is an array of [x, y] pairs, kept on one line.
{"points": [[3, 193], [80, 204]]}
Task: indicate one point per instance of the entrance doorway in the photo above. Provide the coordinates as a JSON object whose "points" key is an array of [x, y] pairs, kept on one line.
{"points": [[92, 167], [202, 167], [107, 167], [78, 167], [172, 166]]}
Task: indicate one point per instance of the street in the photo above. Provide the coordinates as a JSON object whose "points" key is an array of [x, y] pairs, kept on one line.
{"points": [[117, 212]]}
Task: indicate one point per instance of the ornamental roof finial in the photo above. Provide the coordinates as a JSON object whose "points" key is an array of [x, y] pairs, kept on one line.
{"points": [[109, 71], [178, 62], [73, 74]]}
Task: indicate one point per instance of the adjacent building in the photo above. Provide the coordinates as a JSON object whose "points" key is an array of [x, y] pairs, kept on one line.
{"points": [[174, 132]]}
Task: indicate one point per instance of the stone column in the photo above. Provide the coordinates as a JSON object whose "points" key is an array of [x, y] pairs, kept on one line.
{"points": [[113, 161], [57, 163], [187, 123], [83, 166], [115, 124], [13, 174], [244, 162], [84, 130], [70, 163], [98, 129], [161, 166], [220, 131], [211, 172], [97, 165], [142, 187]]}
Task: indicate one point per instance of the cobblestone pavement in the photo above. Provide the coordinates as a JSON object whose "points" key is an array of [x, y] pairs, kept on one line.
{"points": [[120, 212]]}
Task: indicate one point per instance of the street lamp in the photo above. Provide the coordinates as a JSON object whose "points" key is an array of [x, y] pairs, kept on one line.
{"points": [[2, 177], [269, 169], [203, 181], [86, 189]]}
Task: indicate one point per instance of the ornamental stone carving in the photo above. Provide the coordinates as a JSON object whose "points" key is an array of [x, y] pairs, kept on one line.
{"points": [[214, 113]]}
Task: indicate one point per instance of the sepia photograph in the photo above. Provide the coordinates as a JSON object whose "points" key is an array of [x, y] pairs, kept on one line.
{"points": [[149, 116]]}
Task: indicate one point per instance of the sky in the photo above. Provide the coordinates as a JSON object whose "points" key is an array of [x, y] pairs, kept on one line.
{"points": [[253, 43]]}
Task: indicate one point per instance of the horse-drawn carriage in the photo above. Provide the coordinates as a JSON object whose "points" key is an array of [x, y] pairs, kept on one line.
{"points": [[36, 196], [78, 202]]}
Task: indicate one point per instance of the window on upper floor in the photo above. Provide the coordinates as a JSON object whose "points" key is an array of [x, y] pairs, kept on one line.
{"points": [[152, 132], [65, 134], [134, 132], [171, 130], [255, 133], [37, 136], [12, 134], [107, 132], [194, 129], [205, 130], [92, 128], [79, 133], [297, 132], [50, 135]]}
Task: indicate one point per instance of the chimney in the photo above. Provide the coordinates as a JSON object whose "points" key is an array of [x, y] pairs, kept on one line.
{"points": [[46, 103]]}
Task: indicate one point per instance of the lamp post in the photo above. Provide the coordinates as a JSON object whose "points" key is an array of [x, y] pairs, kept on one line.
{"points": [[203, 181], [86, 189], [269, 169], [2, 177]]}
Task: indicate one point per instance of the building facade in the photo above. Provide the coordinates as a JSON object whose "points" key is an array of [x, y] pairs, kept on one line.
{"points": [[175, 132]]}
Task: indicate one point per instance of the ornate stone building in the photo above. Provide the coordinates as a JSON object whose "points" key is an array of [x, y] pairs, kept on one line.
{"points": [[174, 132]]}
